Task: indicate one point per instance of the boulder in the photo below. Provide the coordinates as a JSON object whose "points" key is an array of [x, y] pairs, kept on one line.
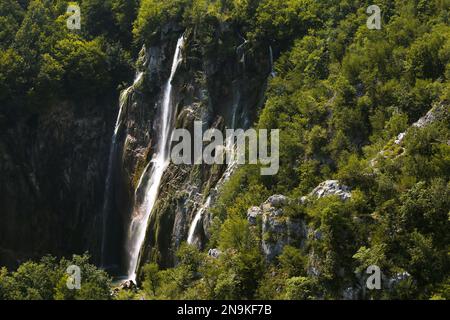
{"points": [[330, 188], [128, 285], [214, 253], [277, 229], [277, 201], [252, 215], [438, 112]]}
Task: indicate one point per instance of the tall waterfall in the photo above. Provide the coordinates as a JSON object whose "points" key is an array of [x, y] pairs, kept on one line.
{"points": [[160, 161], [112, 151]]}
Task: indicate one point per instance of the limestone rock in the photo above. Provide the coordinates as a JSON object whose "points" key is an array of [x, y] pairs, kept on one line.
{"points": [[278, 230], [329, 188], [252, 215], [436, 113], [215, 253], [128, 285], [277, 201]]}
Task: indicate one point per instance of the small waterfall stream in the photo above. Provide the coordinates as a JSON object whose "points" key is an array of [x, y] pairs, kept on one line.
{"points": [[197, 217], [160, 162], [229, 147], [112, 151], [272, 70]]}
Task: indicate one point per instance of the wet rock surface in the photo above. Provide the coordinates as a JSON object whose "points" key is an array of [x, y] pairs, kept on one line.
{"points": [[52, 169], [215, 87]]}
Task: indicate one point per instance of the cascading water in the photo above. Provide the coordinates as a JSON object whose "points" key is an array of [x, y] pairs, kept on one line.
{"points": [[159, 162], [112, 151], [197, 217], [229, 147], [272, 70]]}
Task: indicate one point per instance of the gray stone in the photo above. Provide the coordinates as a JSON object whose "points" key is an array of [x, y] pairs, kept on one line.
{"points": [[437, 112], [397, 279], [278, 230], [252, 215], [329, 188], [277, 200], [128, 285], [215, 253]]}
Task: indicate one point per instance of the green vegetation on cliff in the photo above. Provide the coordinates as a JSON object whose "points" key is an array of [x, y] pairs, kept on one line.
{"points": [[47, 280], [341, 95]]}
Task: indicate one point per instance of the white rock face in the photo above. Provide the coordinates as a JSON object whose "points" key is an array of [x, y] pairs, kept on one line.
{"points": [[329, 188], [215, 253], [436, 113], [277, 230], [277, 200], [252, 215], [400, 138], [432, 115]]}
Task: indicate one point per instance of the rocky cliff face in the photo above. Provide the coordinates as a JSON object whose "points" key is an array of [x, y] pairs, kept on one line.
{"points": [[221, 84], [52, 174], [277, 229], [54, 167]]}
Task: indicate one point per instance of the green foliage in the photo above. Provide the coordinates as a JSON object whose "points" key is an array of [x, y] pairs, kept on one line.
{"points": [[341, 96], [152, 279], [11, 15], [292, 262], [47, 280], [42, 61], [235, 233], [282, 20], [153, 14], [84, 64], [300, 288]]}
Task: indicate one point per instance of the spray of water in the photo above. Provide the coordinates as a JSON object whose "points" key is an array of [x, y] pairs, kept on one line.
{"points": [[112, 151], [160, 161]]}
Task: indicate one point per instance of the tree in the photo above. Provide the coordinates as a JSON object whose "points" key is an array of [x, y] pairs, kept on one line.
{"points": [[235, 234], [151, 278], [292, 262], [301, 288], [11, 15]]}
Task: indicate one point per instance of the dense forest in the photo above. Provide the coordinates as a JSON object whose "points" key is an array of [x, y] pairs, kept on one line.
{"points": [[368, 109]]}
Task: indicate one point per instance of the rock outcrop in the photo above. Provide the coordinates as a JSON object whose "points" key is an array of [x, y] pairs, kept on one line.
{"points": [[277, 229], [214, 253], [395, 147], [329, 188]]}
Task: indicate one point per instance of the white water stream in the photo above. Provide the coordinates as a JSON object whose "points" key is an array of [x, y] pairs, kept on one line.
{"points": [[160, 161]]}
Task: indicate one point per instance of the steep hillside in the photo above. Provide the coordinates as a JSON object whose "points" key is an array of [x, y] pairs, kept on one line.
{"points": [[363, 115]]}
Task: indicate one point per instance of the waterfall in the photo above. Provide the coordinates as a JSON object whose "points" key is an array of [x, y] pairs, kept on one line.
{"points": [[197, 217], [229, 147], [112, 151], [272, 71], [240, 51], [160, 161]]}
